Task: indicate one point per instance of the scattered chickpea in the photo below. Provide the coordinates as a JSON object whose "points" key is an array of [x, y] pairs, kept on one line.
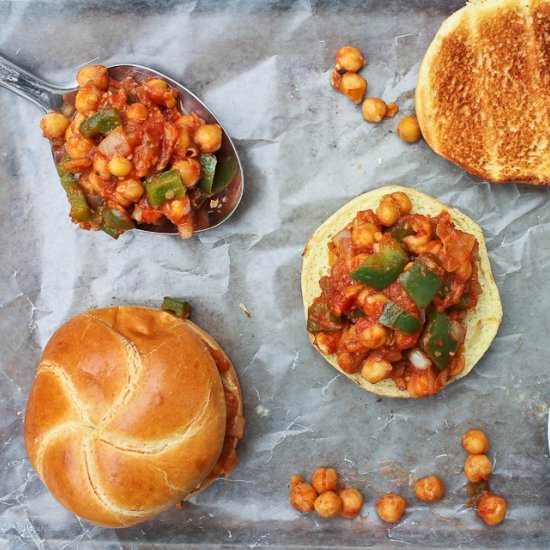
{"points": [[478, 468], [294, 480], [324, 479], [388, 212], [184, 141], [190, 171], [409, 129], [352, 502], [328, 504], [157, 85], [353, 86], [374, 109], [375, 370], [208, 137], [392, 109], [429, 489], [492, 509], [349, 59], [476, 442], [176, 209], [391, 507], [137, 112], [120, 166], [403, 201], [87, 99], [93, 75], [302, 497], [54, 125]]}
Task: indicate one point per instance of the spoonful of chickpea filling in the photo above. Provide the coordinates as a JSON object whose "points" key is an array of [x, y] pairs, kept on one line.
{"points": [[394, 303], [135, 149]]}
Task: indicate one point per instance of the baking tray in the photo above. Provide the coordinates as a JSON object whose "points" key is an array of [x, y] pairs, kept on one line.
{"points": [[264, 70]]}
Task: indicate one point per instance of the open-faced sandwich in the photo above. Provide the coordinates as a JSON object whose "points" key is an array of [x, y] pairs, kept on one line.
{"points": [[398, 292], [132, 410]]}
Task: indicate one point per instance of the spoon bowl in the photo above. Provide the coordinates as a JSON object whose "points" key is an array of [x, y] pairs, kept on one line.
{"points": [[51, 98]]}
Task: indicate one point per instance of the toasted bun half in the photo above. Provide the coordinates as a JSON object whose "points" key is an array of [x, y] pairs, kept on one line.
{"points": [[127, 414], [482, 323], [483, 90]]}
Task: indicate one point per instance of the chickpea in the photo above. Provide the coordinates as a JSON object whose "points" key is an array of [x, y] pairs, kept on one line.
{"points": [[363, 234], [374, 109], [208, 137], [392, 109], [184, 141], [352, 502], [324, 479], [492, 509], [78, 147], [328, 504], [54, 125], [403, 201], [190, 171], [429, 489], [192, 121], [176, 209], [131, 189], [87, 99], [476, 442], [409, 129], [375, 370], [101, 166], [302, 497], [478, 468], [294, 480], [353, 86], [390, 508], [349, 59], [388, 212], [92, 183], [93, 75], [137, 112], [374, 337], [120, 166], [158, 85]]}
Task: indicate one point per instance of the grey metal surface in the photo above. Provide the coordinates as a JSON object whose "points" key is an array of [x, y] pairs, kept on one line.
{"points": [[264, 69]]}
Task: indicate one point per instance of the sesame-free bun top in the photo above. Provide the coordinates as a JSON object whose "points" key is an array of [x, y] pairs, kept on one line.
{"points": [[126, 414], [483, 90]]}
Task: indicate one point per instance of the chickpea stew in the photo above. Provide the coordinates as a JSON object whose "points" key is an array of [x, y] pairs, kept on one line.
{"points": [[394, 302], [128, 156]]}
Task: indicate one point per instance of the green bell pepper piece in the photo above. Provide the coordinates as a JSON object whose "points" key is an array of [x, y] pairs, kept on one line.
{"points": [[80, 210], [115, 222], [225, 172], [102, 122], [320, 319], [382, 268], [394, 316], [401, 230], [421, 283], [437, 341], [179, 308], [208, 170], [164, 187]]}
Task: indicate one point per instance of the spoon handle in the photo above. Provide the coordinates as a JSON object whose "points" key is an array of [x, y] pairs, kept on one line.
{"points": [[26, 85]]}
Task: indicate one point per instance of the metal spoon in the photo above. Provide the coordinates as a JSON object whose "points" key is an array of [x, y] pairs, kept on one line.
{"points": [[49, 97]]}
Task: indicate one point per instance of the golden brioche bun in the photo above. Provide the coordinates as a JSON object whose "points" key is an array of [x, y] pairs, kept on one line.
{"points": [[127, 414], [483, 90], [482, 322]]}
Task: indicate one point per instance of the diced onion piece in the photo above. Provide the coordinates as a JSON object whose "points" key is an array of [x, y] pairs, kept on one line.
{"points": [[418, 359], [115, 144], [457, 331]]}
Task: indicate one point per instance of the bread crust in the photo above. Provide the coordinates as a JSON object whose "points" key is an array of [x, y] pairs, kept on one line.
{"points": [[483, 91], [127, 413], [482, 322]]}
